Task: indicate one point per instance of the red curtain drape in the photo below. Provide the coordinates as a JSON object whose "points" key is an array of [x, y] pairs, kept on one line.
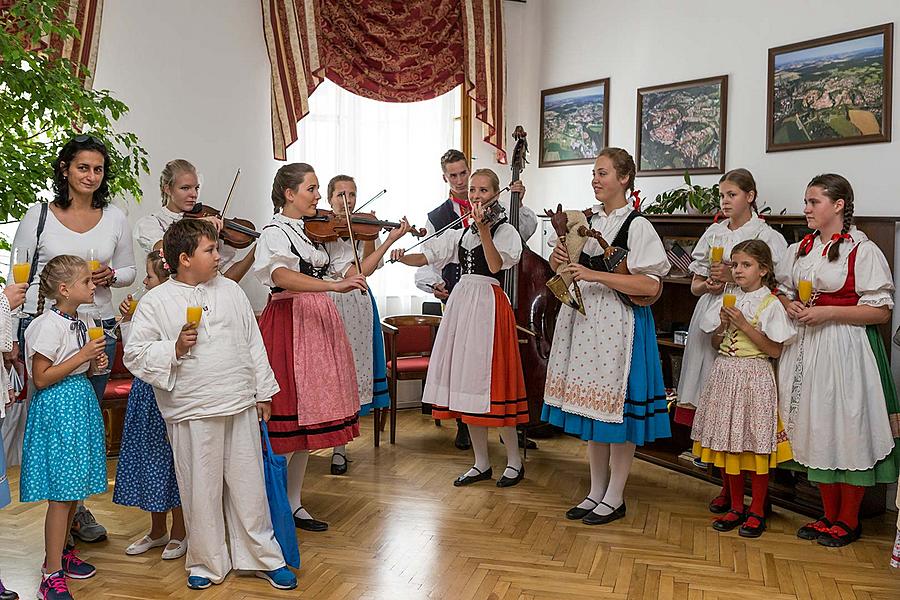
{"points": [[82, 52], [391, 50]]}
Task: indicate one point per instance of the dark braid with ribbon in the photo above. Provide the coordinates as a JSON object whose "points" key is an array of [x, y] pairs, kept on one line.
{"points": [[836, 187]]}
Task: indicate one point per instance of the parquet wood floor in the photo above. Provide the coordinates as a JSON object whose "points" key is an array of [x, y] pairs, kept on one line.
{"points": [[399, 529]]}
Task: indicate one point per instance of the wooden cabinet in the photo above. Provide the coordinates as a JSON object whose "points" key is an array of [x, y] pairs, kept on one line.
{"points": [[673, 312]]}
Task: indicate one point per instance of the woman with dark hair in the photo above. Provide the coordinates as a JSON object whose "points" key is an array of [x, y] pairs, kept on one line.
{"points": [[837, 398], [79, 221]]}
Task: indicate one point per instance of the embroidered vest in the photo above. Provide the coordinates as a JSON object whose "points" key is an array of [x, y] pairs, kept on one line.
{"points": [[846, 296], [736, 343], [473, 262], [305, 267], [620, 241]]}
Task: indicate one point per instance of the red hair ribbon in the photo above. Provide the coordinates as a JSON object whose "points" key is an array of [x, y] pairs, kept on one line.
{"points": [[806, 243], [718, 216], [636, 195], [835, 238]]}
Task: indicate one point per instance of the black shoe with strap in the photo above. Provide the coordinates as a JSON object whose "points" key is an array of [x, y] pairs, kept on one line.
{"points": [[753, 526], [576, 514], [812, 531], [593, 518], [309, 524], [462, 436], [840, 534], [505, 481], [727, 524], [338, 468], [469, 479], [719, 505]]}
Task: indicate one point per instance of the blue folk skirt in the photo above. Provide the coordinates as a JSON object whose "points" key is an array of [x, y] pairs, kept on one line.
{"points": [[145, 475], [64, 452], [380, 396], [646, 415]]}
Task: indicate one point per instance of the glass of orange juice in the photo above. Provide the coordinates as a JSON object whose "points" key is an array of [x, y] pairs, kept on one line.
{"points": [[194, 314], [729, 300], [804, 290], [93, 261], [95, 330], [21, 269], [716, 254]]}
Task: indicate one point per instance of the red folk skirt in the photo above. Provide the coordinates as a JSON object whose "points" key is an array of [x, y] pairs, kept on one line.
{"points": [[318, 405]]}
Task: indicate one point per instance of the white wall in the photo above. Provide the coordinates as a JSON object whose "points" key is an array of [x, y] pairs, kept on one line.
{"points": [[649, 42], [196, 77]]}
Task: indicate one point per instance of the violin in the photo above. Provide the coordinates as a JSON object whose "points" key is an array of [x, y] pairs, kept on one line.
{"points": [[237, 233], [328, 226]]}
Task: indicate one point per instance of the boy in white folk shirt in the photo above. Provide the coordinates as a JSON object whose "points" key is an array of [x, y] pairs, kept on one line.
{"points": [[213, 383]]}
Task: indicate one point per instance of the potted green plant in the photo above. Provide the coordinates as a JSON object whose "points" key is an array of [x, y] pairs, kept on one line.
{"points": [[687, 197]]}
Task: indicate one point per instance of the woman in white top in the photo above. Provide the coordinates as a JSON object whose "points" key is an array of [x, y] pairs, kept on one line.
{"points": [[737, 197], [475, 371], [359, 312], [604, 378], [81, 219], [836, 395], [179, 186]]}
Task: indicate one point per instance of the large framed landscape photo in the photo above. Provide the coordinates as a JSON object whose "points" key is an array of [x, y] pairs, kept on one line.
{"points": [[831, 91], [681, 127], [574, 123]]}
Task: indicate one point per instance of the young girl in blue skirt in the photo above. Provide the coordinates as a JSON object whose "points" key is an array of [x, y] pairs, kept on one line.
{"points": [[64, 454], [145, 475], [604, 379]]}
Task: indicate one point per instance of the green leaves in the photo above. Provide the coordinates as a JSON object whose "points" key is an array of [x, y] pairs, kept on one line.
{"points": [[705, 200], [43, 103]]}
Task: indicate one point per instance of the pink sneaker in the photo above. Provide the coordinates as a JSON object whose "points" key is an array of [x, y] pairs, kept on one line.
{"points": [[53, 587]]}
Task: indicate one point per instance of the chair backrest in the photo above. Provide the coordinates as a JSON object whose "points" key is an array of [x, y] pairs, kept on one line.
{"points": [[118, 369], [412, 334]]}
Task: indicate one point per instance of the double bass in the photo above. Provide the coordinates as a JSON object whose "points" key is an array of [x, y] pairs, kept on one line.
{"points": [[533, 303]]}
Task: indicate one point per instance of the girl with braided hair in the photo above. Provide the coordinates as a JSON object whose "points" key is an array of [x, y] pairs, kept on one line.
{"points": [[836, 396], [64, 453]]}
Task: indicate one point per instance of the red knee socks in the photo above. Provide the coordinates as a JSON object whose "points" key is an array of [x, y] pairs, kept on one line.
{"points": [[831, 500], [760, 485], [736, 489], [851, 498]]}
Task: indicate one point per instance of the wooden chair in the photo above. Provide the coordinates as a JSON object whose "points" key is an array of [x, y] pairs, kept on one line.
{"points": [[407, 343], [115, 402]]}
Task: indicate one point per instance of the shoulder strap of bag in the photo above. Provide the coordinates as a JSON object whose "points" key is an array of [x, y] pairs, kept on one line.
{"points": [[37, 242], [264, 429]]}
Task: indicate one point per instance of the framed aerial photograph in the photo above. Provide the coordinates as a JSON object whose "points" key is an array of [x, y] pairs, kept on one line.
{"points": [[681, 127], [831, 91], [574, 123]]}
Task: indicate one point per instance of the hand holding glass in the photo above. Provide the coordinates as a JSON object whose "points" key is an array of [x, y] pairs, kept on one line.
{"points": [[21, 270], [95, 331]]}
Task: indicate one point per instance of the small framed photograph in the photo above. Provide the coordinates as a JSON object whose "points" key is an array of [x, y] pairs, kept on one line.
{"points": [[574, 123], [681, 127], [678, 251], [831, 91]]}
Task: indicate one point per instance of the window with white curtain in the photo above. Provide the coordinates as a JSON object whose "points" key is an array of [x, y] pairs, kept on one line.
{"points": [[382, 146]]}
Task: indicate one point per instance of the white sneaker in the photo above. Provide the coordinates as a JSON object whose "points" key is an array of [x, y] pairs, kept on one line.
{"points": [[177, 551], [145, 543]]}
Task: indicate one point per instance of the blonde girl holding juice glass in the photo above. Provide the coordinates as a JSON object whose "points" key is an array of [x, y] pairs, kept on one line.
{"points": [[145, 474], [64, 452], [736, 426], [711, 273]]}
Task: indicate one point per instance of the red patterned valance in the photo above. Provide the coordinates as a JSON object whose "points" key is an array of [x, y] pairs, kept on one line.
{"points": [[392, 51], [82, 52]]}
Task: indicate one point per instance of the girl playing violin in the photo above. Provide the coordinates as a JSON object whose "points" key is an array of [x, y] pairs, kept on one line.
{"points": [[179, 186], [318, 405], [478, 333], [359, 313]]}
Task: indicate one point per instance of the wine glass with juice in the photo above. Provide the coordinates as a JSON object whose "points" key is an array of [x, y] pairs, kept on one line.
{"points": [[21, 269]]}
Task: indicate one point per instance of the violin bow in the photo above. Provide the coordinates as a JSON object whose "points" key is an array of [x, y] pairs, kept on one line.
{"points": [[450, 225], [230, 192], [371, 200], [356, 261]]}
